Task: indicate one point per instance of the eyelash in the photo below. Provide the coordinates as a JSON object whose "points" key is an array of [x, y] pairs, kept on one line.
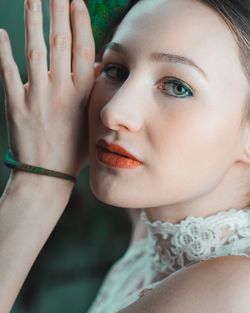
{"points": [[174, 82]]}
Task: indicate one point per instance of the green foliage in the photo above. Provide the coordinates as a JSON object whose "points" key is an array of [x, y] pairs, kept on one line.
{"points": [[104, 14]]}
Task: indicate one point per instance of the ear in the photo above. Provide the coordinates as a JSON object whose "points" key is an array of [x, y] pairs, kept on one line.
{"points": [[245, 157], [98, 68]]}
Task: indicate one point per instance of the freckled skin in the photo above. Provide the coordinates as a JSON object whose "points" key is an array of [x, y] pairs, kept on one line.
{"points": [[196, 157]]}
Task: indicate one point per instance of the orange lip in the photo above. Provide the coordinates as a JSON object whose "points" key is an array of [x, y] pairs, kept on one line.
{"points": [[116, 160], [115, 155]]}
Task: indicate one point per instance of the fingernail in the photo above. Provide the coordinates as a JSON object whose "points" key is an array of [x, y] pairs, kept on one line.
{"points": [[3, 36], [33, 6], [79, 5]]}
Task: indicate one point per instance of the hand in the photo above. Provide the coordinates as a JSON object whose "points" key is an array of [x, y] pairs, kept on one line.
{"points": [[47, 117]]}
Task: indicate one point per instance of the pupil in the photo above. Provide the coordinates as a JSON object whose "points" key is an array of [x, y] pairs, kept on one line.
{"points": [[179, 88]]}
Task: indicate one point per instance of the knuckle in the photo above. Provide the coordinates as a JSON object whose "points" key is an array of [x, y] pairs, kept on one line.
{"points": [[60, 7], [61, 41], [35, 20], [84, 52], [37, 55], [8, 71], [3, 35], [78, 8]]}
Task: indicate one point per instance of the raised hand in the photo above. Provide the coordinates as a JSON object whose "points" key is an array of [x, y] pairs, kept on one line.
{"points": [[47, 117]]}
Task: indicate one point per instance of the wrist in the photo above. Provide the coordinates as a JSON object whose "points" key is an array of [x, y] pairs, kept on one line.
{"points": [[40, 184], [10, 162]]}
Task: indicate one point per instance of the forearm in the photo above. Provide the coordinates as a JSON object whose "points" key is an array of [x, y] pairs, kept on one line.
{"points": [[30, 207]]}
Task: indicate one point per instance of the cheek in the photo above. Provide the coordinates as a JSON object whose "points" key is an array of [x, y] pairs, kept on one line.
{"points": [[193, 146]]}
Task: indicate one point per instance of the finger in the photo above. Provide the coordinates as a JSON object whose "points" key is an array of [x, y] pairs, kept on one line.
{"points": [[83, 45], [36, 52], [60, 40], [10, 76]]}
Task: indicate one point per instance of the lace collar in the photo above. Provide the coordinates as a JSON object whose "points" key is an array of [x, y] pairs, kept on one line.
{"points": [[173, 246]]}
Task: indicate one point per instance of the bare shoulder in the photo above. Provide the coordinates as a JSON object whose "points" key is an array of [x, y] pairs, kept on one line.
{"points": [[219, 285]]}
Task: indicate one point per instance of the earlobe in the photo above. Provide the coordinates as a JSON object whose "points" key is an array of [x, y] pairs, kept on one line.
{"points": [[246, 156], [244, 146]]}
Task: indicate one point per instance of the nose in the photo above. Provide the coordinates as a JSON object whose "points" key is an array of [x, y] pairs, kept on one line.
{"points": [[122, 112]]}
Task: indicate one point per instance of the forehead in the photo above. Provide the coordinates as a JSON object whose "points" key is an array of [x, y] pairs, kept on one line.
{"points": [[187, 27], [180, 26]]}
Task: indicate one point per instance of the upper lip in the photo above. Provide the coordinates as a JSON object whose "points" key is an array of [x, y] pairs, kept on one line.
{"points": [[112, 147]]}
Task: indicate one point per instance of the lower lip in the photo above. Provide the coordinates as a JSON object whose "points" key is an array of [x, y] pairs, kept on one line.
{"points": [[115, 160]]}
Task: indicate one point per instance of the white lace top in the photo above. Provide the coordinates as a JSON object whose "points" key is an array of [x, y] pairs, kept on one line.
{"points": [[168, 248]]}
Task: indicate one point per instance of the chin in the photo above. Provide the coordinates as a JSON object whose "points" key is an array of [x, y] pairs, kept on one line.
{"points": [[114, 195]]}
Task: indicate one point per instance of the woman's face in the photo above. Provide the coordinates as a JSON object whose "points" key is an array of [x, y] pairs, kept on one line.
{"points": [[182, 120]]}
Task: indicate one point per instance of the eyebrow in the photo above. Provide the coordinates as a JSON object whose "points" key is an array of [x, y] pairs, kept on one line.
{"points": [[157, 56]]}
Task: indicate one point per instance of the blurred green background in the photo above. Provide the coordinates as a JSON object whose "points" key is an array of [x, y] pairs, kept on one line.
{"points": [[89, 236]]}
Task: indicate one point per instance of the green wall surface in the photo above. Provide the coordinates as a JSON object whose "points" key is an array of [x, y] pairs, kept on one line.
{"points": [[89, 236]]}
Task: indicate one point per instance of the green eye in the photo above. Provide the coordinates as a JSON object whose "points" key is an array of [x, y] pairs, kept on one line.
{"points": [[177, 89]]}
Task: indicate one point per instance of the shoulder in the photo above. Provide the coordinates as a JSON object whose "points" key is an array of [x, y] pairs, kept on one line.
{"points": [[219, 285]]}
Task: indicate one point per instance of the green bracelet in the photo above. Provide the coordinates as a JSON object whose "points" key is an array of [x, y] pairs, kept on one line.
{"points": [[10, 162]]}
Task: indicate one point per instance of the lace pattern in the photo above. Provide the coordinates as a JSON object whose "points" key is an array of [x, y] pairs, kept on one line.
{"points": [[169, 248], [194, 238]]}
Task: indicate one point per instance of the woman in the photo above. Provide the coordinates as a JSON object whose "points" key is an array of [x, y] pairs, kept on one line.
{"points": [[179, 112]]}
